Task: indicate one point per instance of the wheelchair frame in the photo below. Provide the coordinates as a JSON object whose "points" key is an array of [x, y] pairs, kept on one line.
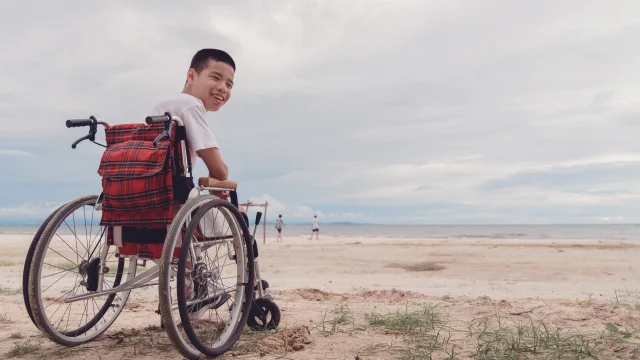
{"points": [[145, 279]]}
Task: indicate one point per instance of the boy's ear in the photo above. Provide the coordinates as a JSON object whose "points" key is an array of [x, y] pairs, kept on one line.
{"points": [[191, 74]]}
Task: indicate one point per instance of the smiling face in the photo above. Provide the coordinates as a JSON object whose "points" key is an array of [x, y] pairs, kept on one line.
{"points": [[212, 85]]}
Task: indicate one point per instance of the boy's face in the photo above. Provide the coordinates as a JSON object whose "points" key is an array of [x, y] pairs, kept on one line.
{"points": [[213, 85]]}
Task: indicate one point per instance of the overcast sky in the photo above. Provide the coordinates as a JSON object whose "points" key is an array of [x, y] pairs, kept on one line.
{"points": [[421, 112]]}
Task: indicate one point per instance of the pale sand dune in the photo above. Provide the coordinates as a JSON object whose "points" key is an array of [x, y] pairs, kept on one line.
{"points": [[581, 283]]}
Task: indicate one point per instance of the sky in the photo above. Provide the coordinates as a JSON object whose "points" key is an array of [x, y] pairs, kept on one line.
{"points": [[392, 112]]}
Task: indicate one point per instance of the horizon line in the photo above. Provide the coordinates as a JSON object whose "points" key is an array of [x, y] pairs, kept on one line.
{"points": [[10, 223]]}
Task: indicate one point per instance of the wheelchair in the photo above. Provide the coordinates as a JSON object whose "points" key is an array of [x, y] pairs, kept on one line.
{"points": [[150, 226]]}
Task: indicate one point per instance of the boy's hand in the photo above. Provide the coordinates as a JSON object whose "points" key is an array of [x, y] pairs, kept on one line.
{"points": [[224, 195]]}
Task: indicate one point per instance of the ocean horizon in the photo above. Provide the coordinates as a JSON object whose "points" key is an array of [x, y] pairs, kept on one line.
{"points": [[620, 232]]}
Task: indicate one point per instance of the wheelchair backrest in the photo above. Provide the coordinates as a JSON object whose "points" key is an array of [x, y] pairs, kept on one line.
{"points": [[141, 174]]}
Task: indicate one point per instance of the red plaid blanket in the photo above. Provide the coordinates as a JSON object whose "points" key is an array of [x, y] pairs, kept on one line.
{"points": [[137, 177]]}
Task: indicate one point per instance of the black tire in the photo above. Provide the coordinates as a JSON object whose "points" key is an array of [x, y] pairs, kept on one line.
{"points": [[27, 265], [168, 265], [236, 331], [265, 315], [71, 337]]}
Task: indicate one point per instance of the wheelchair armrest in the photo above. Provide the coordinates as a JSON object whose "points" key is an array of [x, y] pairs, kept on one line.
{"points": [[210, 182]]}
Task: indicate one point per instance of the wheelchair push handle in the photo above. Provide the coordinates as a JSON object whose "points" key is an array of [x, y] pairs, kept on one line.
{"points": [[92, 123], [81, 122], [158, 119]]}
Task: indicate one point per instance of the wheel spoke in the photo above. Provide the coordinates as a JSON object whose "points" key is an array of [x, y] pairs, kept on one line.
{"points": [[55, 282], [80, 322], [76, 250], [66, 258]]}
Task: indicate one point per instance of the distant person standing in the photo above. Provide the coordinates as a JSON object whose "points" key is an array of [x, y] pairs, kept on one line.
{"points": [[279, 227], [315, 227]]}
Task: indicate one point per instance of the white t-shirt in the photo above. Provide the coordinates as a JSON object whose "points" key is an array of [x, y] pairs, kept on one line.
{"points": [[315, 224], [191, 111]]}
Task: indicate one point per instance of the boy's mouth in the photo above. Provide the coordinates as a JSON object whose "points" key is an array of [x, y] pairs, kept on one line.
{"points": [[218, 97]]}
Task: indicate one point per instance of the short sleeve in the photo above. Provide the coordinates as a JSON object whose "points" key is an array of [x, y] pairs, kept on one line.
{"points": [[199, 134]]}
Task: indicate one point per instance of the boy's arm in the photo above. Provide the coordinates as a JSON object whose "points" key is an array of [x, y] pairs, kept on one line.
{"points": [[212, 158], [202, 140]]}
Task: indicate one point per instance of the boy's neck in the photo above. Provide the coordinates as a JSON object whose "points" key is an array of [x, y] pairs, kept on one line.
{"points": [[187, 92]]}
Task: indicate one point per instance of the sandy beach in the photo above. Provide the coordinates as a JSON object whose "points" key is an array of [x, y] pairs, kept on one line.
{"points": [[357, 298]]}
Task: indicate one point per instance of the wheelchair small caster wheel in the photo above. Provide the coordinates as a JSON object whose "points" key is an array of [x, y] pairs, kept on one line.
{"points": [[264, 315], [265, 285]]}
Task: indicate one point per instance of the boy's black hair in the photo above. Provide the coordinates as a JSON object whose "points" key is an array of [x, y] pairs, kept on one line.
{"points": [[202, 57]]}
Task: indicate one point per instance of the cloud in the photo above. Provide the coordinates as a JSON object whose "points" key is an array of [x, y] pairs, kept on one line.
{"points": [[612, 219], [403, 111], [27, 212], [9, 152], [301, 213], [276, 207]]}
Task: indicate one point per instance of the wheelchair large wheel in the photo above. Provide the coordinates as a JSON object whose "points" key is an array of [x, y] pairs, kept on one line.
{"points": [[71, 261], [27, 265], [206, 288], [217, 301]]}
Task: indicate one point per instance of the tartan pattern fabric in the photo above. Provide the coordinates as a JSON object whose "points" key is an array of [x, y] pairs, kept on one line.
{"points": [[137, 177]]}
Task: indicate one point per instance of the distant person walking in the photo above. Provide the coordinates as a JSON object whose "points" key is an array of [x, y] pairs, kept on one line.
{"points": [[279, 226], [315, 227]]}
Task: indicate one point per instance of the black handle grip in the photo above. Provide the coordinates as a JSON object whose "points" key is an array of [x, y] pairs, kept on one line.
{"points": [[258, 217], [79, 122], [158, 119]]}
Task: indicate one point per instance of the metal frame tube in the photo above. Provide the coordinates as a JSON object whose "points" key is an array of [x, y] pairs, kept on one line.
{"points": [[209, 297], [137, 281]]}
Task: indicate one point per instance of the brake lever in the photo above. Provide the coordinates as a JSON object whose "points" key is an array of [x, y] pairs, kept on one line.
{"points": [[86, 137], [159, 137], [93, 129], [167, 133]]}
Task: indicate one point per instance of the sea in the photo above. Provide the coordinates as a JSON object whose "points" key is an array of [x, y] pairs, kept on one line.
{"points": [[621, 232]]}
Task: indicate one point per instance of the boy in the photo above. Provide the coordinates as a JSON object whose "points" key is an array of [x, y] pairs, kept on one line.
{"points": [[207, 88]]}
